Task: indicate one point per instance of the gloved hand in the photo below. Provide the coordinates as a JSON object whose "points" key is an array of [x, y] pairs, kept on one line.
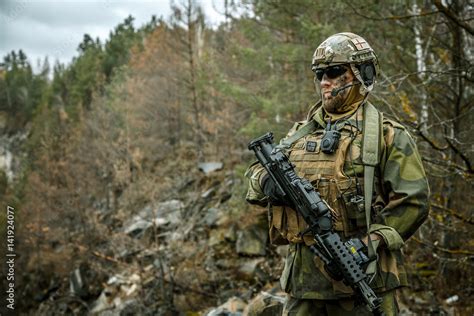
{"points": [[270, 189]]}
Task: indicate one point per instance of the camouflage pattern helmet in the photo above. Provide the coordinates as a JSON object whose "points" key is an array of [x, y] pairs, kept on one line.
{"points": [[352, 49]]}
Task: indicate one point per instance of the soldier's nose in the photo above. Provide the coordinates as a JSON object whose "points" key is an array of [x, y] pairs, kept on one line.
{"points": [[325, 82]]}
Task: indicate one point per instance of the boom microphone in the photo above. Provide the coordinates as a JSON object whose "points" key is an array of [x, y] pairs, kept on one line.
{"points": [[336, 91]]}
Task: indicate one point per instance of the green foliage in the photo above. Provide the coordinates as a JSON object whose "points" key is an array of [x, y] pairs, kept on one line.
{"points": [[73, 87], [84, 75], [117, 49], [21, 91]]}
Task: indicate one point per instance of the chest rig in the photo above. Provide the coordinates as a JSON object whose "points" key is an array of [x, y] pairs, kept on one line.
{"points": [[345, 176]]}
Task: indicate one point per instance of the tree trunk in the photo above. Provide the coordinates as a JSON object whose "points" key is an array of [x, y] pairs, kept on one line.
{"points": [[420, 67], [192, 72]]}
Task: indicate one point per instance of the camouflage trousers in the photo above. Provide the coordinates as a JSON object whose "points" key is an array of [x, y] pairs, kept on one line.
{"points": [[343, 307]]}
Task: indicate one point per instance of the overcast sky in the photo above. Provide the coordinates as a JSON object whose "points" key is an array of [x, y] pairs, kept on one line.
{"points": [[55, 28]]}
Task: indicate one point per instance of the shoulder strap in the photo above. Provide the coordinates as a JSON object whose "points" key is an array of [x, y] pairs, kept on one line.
{"points": [[312, 121], [306, 129], [371, 150], [372, 135]]}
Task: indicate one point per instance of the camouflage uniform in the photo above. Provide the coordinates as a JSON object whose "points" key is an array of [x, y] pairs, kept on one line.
{"points": [[399, 207]]}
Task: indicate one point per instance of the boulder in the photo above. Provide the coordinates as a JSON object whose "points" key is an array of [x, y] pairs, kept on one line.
{"points": [[248, 270], [208, 167], [216, 236], [85, 281], [266, 304], [120, 293], [163, 214], [252, 241], [137, 228], [211, 217], [231, 233], [233, 307]]}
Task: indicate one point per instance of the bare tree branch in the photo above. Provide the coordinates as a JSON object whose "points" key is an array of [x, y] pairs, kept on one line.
{"points": [[450, 251], [392, 17], [430, 141], [461, 154], [451, 167], [454, 213], [453, 17]]}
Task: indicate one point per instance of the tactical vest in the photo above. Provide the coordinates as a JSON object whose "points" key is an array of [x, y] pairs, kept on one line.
{"points": [[338, 177], [360, 151]]}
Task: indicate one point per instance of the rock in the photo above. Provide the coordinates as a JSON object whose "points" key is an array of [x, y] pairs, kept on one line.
{"points": [[208, 167], [233, 307], [103, 303], [163, 214], [216, 236], [138, 228], [211, 217], [248, 270], [131, 307], [169, 210], [119, 295], [135, 226], [76, 284], [452, 299], [85, 282], [252, 241], [266, 304], [7, 157], [225, 264], [208, 194], [231, 233], [225, 197], [282, 250]]}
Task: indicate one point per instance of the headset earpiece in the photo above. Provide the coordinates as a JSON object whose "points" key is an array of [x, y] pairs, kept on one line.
{"points": [[367, 72]]}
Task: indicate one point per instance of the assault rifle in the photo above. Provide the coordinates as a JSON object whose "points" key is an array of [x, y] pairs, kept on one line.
{"points": [[342, 260]]}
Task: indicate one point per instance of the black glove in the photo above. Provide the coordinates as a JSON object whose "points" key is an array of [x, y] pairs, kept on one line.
{"points": [[271, 190]]}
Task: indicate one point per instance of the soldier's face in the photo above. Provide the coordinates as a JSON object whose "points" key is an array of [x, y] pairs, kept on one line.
{"points": [[333, 103]]}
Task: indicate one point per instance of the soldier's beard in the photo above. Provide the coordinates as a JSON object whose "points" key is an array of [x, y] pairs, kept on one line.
{"points": [[345, 101], [334, 104]]}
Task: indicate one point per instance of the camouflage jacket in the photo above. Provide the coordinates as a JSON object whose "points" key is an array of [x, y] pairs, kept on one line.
{"points": [[400, 204]]}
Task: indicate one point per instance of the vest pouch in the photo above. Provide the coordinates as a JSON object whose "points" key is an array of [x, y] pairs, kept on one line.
{"points": [[327, 189], [286, 224], [355, 209], [277, 223], [351, 206]]}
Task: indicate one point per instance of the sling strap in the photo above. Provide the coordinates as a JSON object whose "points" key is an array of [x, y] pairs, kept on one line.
{"points": [[371, 146], [306, 129]]}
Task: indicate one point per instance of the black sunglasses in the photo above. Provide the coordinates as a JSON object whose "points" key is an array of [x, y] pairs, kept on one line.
{"points": [[331, 72]]}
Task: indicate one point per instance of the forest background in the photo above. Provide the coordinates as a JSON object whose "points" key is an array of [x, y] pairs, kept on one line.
{"points": [[127, 122]]}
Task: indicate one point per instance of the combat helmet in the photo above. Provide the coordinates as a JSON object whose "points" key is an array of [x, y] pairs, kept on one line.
{"points": [[351, 49]]}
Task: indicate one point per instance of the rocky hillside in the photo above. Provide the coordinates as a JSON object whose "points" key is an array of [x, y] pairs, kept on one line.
{"points": [[185, 255], [198, 253]]}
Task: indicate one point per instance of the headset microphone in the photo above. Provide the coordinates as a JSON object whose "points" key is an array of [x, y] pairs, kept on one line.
{"points": [[336, 91]]}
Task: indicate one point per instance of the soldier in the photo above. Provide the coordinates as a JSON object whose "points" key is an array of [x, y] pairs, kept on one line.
{"points": [[351, 154]]}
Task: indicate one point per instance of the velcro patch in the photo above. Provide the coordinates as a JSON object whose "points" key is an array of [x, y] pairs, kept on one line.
{"points": [[360, 44], [311, 146]]}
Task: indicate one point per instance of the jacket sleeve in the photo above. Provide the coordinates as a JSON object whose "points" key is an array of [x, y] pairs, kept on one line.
{"points": [[406, 189], [255, 173], [254, 193]]}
